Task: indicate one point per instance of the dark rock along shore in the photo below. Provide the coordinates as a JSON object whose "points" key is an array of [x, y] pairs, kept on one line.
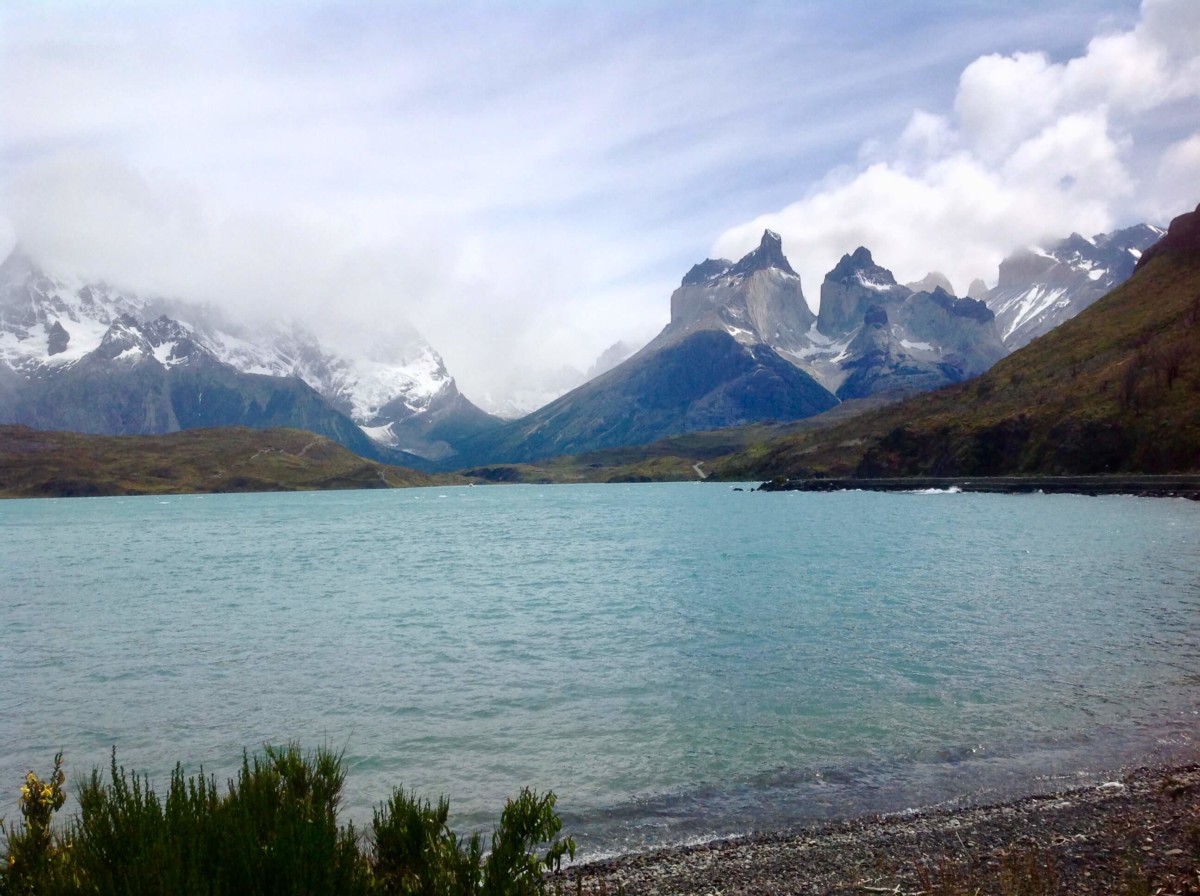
{"points": [[1162, 486], [1139, 834]]}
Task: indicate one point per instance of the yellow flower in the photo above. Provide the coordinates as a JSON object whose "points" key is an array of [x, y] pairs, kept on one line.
{"points": [[24, 791]]}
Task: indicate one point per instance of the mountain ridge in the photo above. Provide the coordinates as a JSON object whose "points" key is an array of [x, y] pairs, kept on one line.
{"points": [[57, 334], [1115, 389]]}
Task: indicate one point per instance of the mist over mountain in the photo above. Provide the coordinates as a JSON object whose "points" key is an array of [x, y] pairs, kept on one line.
{"points": [[1039, 288], [742, 346], [84, 356]]}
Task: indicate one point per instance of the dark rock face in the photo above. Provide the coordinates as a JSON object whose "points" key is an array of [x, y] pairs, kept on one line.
{"points": [[1183, 237], [876, 317], [709, 269], [57, 339]]}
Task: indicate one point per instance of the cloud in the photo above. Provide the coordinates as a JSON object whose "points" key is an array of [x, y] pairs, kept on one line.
{"points": [[1034, 149], [527, 183], [1178, 169]]}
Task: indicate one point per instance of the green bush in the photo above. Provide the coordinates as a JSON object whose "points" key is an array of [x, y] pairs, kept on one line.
{"points": [[274, 831]]}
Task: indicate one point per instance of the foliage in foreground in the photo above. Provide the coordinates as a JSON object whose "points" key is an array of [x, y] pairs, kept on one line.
{"points": [[274, 831]]}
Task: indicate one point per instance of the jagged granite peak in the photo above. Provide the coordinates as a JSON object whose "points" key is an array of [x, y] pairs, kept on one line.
{"points": [[709, 269], [758, 300], [769, 254], [855, 283], [931, 281], [861, 267], [1040, 287], [927, 340]]}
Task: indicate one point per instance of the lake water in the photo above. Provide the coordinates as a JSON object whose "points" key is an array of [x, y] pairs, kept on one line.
{"points": [[675, 661]]}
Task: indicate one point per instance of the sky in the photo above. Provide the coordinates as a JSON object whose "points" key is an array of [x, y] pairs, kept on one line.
{"points": [[527, 182]]}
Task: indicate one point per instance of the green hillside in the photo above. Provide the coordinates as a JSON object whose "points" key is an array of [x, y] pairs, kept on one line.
{"points": [[35, 463]]}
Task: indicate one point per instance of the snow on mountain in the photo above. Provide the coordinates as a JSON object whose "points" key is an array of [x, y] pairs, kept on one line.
{"points": [[1040, 287], [397, 392]]}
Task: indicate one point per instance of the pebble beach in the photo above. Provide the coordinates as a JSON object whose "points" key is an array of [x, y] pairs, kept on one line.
{"points": [[1139, 833]]}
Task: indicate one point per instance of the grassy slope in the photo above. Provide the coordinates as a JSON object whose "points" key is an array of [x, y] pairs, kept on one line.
{"points": [[1115, 389], [667, 460], [35, 463]]}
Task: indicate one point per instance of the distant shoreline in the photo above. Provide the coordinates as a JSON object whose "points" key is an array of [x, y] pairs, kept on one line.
{"points": [[1158, 486], [1093, 839]]}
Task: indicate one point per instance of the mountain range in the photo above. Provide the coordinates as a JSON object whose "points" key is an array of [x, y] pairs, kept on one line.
{"points": [[742, 346], [90, 358], [1039, 288], [1115, 389]]}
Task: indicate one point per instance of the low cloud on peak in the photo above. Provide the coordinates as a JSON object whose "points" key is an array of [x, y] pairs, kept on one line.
{"points": [[527, 184], [1032, 150]]}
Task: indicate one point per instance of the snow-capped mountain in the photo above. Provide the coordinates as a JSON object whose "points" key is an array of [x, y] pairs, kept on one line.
{"points": [[872, 334], [55, 330], [1039, 288], [743, 346], [885, 338]]}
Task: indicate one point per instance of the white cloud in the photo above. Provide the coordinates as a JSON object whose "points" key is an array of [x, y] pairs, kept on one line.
{"points": [[1175, 187], [1034, 149], [528, 183]]}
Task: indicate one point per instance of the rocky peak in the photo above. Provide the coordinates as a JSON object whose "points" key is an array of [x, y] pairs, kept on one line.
{"points": [[164, 329], [705, 271], [861, 267], [855, 284], [1183, 237], [769, 254], [1135, 240], [123, 335], [972, 309], [931, 281], [57, 339]]}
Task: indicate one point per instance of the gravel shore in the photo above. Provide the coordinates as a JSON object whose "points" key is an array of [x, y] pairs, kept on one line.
{"points": [[1139, 834]]}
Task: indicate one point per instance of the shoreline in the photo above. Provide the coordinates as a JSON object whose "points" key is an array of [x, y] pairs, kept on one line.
{"points": [[1141, 827], [1148, 486]]}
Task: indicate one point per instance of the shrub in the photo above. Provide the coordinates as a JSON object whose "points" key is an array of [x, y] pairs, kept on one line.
{"points": [[34, 856], [274, 831]]}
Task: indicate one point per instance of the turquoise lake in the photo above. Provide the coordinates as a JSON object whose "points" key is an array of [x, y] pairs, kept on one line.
{"points": [[675, 661]]}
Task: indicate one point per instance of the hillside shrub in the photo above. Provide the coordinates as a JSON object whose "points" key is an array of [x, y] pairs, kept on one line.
{"points": [[273, 831]]}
